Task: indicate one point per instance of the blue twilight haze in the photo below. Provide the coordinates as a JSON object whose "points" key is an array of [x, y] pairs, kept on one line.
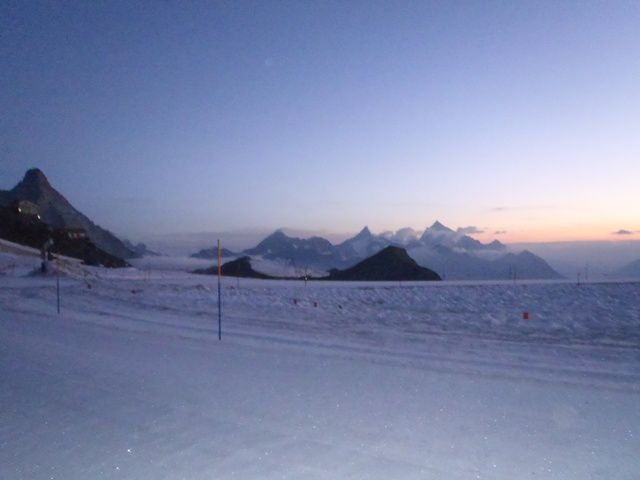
{"points": [[158, 117]]}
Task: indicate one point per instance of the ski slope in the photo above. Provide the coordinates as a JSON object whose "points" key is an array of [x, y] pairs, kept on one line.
{"points": [[362, 381]]}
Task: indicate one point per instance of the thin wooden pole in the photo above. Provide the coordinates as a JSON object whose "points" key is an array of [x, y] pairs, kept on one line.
{"points": [[58, 284]]}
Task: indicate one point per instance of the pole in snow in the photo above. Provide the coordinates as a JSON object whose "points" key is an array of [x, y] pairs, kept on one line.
{"points": [[219, 296], [58, 284]]}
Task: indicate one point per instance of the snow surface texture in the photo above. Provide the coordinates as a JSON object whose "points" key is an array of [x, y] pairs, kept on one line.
{"points": [[362, 381]]}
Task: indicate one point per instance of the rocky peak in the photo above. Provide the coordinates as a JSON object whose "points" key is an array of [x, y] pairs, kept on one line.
{"points": [[279, 234], [497, 245], [364, 233], [35, 176], [33, 186], [57, 212], [439, 227]]}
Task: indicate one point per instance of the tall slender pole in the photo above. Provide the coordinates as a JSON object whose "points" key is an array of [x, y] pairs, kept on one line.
{"points": [[58, 284], [219, 296]]}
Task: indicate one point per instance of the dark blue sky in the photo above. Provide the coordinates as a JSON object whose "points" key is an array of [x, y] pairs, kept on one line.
{"points": [[186, 116]]}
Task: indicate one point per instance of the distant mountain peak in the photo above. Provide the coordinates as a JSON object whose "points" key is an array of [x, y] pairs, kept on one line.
{"points": [[362, 245], [497, 245], [296, 251], [437, 226], [36, 176], [34, 185], [278, 235], [365, 232], [438, 232]]}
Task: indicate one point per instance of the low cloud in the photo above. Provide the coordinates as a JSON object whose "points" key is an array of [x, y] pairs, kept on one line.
{"points": [[503, 208], [470, 230], [500, 232], [622, 231]]}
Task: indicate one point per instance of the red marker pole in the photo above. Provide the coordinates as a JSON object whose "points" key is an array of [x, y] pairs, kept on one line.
{"points": [[219, 294]]}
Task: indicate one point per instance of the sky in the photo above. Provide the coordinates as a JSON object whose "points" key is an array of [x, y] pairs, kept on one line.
{"points": [[519, 118]]}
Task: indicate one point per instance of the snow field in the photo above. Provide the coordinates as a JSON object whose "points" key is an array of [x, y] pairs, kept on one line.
{"points": [[436, 381]]}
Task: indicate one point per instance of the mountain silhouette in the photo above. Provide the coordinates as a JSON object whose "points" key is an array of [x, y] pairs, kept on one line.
{"points": [[56, 211], [391, 264]]}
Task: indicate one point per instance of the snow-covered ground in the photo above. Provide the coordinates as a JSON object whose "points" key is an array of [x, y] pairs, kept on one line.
{"points": [[363, 381]]}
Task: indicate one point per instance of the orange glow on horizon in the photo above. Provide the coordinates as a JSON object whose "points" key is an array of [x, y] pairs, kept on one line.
{"points": [[564, 233]]}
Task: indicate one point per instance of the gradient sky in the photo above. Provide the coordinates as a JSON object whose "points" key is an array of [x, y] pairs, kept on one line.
{"points": [[160, 117]]}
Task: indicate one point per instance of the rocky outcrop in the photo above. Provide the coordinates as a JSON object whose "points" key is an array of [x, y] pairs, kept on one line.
{"points": [[390, 264]]}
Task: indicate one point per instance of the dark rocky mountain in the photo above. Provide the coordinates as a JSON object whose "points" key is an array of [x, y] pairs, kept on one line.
{"points": [[33, 232], [5, 198], [298, 252], [389, 264], [631, 270], [240, 267], [56, 211], [212, 253]]}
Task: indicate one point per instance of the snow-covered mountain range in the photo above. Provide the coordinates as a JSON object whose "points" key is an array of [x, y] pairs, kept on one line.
{"points": [[453, 254]]}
